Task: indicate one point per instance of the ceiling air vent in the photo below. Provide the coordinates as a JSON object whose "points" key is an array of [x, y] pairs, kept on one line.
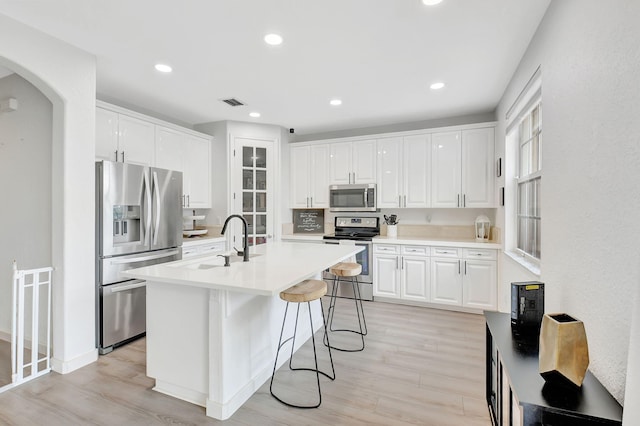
{"points": [[232, 102]]}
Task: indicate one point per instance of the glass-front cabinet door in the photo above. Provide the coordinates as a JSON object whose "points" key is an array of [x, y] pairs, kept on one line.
{"points": [[256, 200]]}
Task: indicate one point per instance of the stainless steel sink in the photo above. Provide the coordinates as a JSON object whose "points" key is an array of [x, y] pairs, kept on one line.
{"points": [[209, 263]]}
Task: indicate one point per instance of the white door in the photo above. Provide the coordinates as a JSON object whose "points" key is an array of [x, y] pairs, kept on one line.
{"points": [[445, 169], [389, 172], [479, 284], [364, 161], [417, 171], [446, 281], [318, 176], [477, 167], [299, 179], [386, 279], [254, 189], [415, 278]]}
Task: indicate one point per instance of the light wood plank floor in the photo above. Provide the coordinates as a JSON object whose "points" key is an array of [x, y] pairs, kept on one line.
{"points": [[420, 367]]}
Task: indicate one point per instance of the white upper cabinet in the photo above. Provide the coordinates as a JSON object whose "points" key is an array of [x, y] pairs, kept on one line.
{"points": [[478, 167], [120, 137], [462, 168], [404, 171], [189, 154], [446, 161], [106, 135], [390, 183], [352, 162], [127, 136], [310, 176], [197, 172]]}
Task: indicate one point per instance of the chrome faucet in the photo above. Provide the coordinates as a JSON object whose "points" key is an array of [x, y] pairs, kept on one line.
{"points": [[246, 234]]}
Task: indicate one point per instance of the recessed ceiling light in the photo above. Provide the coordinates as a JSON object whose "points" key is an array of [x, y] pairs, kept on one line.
{"points": [[163, 68], [254, 114], [273, 39], [437, 86], [431, 2], [335, 102]]}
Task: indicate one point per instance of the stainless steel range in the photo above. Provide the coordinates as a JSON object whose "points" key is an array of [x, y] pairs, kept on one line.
{"points": [[359, 231]]}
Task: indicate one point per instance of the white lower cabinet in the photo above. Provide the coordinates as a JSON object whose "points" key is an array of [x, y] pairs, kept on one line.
{"points": [[450, 276], [387, 276], [401, 272], [464, 277], [446, 281]]}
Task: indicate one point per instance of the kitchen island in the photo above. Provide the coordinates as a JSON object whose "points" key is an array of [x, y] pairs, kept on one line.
{"points": [[212, 330]]}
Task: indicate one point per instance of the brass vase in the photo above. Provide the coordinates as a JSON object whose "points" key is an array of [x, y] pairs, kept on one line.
{"points": [[564, 354]]}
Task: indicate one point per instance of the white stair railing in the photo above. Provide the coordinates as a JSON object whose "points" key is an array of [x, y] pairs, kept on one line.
{"points": [[39, 282]]}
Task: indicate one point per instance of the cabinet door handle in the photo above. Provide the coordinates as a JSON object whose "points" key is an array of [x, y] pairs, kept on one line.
{"points": [[458, 202], [458, 267], [116, 151], [465, 267], [188, 201], [464, 200], [405, 200], [399, 200], [123, 156], [311, 203], [354, 177]]}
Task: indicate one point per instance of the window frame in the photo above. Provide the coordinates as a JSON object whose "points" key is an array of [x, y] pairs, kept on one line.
{"points": [[522, 108], [530, 177]]}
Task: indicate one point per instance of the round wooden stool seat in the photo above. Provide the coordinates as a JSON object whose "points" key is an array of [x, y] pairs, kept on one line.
{"points": [[346, 269], [306, 291]]}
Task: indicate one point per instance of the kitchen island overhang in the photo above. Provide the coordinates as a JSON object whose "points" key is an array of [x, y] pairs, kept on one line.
{"points": [[212, 331]]}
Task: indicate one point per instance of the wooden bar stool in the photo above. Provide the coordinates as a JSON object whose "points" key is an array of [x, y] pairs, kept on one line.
{"points": [[306, 291], [347, 272]]}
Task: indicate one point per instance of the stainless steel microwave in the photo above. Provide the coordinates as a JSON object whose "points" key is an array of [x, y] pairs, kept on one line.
{"points": [[352, 198]]}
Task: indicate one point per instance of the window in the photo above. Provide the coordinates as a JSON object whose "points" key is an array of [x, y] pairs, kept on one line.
{"points": [[523, 183], [529, 181]]}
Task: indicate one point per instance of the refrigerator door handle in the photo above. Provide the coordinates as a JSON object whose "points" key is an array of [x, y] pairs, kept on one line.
{"points": [[146, 193], [120, 261], [158, 210], [124, 287]]}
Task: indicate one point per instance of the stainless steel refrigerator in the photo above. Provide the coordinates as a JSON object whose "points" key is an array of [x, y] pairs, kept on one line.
{"points": [[138, 223]]}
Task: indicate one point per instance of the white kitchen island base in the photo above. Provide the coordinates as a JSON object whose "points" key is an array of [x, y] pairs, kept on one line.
{"points": [[212, 331], [215, 348]]}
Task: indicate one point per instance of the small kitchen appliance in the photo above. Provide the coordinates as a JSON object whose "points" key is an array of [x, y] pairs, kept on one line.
{"points": [[483, 228], [527, 308], [361, 231], [352, 198]]}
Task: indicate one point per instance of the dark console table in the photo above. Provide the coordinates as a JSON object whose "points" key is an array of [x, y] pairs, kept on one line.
{"points": [[518, 395]]}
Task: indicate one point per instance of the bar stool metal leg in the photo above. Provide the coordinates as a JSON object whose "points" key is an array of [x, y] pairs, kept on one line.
{"points": [[315, 356], [359, 311]]}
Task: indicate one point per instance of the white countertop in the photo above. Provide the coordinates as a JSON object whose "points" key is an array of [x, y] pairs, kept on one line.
{"points": [[449, 242], [303, 237], [271, 268]]}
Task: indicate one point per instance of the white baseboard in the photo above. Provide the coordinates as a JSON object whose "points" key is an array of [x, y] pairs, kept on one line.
{"points": [[64, 367], [6, 336]]}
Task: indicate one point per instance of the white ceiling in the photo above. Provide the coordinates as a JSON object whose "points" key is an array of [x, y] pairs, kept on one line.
{"points": [[378, 56]]}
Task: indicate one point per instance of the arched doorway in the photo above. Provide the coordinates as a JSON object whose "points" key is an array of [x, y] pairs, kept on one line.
{"points": [[66, 75], [25, 188]]}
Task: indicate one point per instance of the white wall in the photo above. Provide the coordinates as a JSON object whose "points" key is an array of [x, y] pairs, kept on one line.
{"points": [[25, 170], [590, 61], [66, 76]]}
